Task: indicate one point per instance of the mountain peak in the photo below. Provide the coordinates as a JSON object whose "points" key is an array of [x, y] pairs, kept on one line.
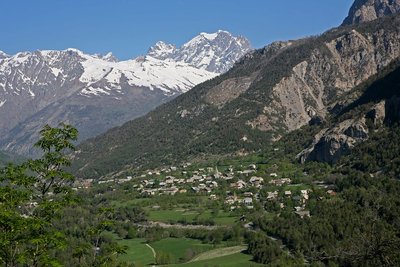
{"points": [[74, 51], [161, 50], [209, 36], [212, 36], [368, 10], [3, 55], [107, 57], [110, 57], [215, 52]]}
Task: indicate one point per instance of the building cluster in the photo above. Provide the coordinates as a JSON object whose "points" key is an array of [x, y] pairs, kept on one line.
{"points": [[299, 200], [209, 181], [245, 199]]}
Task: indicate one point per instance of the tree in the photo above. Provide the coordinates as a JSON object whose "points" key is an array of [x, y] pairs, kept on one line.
{"points": [[49, 170], [263, 249], [32, 194]]}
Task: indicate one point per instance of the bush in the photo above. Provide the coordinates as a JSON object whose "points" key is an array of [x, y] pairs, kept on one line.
{"points": [[163, 258]]}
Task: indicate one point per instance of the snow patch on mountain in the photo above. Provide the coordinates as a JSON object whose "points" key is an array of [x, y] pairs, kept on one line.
{"points": [[94, 69], [56, 71], [110, 57], [209, 36], [19, 58], [96, 91], [166, 75]]}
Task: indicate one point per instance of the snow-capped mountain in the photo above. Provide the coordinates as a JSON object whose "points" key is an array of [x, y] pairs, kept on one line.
{"points": [[97, 92], [215, 52]]}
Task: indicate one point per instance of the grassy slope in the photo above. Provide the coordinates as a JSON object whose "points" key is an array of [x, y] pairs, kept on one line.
{"points": [[177, 247], [233, 260], [141, 255], [137, 252]]}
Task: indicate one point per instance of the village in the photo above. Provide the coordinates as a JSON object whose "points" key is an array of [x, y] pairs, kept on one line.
{"points": [[240, 189]]}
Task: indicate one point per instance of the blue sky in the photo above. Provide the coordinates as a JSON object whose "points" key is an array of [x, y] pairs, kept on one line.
{"points": [[129, 27]]}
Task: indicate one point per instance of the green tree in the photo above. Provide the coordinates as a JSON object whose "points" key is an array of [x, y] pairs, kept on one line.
{"points": [[31, 196], [263, 249]]}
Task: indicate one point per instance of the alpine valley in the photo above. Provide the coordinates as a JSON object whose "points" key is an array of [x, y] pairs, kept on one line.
{"points": [[95, 92], [210, 154]]}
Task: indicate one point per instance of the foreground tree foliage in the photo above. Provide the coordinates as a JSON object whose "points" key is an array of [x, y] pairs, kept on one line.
{"points": [[33, 197]]}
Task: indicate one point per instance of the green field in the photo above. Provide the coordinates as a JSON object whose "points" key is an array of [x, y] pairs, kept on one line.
{"points": [[137, 253], [233, 260], [180, 249]]}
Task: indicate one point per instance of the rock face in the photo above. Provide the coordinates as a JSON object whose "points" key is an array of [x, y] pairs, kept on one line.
{"points": [[330, 70], [330, 144], [228, 90], [368, 10], [378, 113], [96, 92]]}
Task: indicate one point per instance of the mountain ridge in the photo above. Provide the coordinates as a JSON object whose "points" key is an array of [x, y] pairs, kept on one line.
{"points": [[94, 92]]}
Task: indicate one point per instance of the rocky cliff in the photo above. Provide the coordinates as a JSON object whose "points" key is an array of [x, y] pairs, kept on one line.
{"points": [[368, 10], [378, 106], [333, 68], [330, 144]]}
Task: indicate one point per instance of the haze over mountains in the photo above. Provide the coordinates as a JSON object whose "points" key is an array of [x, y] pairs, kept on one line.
{"points": [[270, 92], [95, 92]]}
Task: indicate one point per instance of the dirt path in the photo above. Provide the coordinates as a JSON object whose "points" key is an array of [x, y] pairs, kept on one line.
{"points": [[152, 250], [216, 253]]}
